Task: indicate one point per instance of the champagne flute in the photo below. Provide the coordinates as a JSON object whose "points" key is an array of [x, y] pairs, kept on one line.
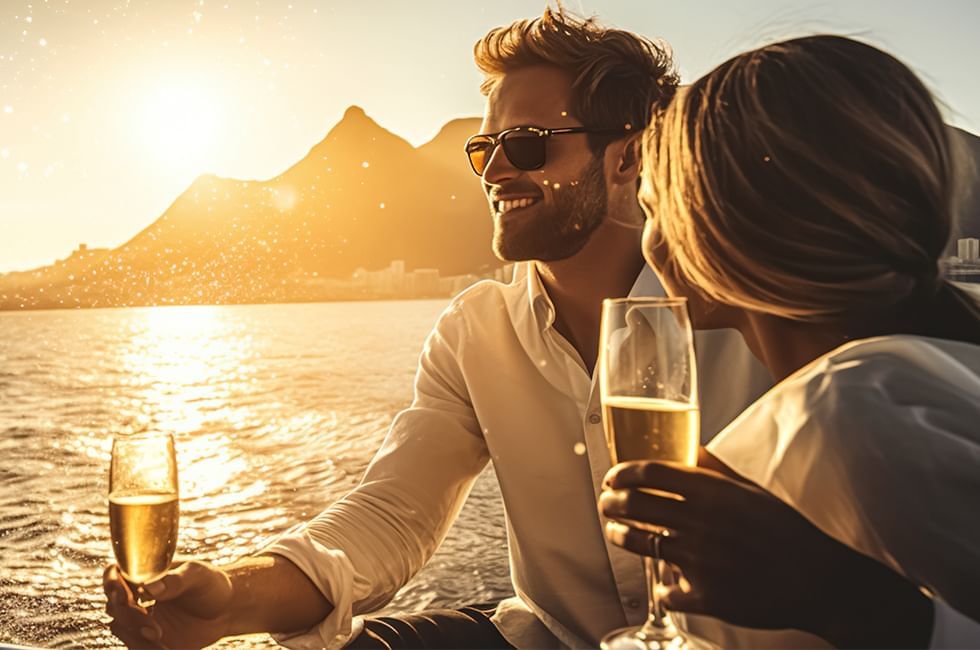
{"points": [[648, 390], [143, 506]]}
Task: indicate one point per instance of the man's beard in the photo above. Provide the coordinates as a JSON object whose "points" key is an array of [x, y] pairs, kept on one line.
{"points": [[559, 230]]}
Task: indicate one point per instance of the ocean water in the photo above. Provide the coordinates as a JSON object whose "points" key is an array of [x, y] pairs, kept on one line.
{"points": [[276, 410]]}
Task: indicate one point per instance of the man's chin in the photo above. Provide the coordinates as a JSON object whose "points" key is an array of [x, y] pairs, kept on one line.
{"points": [[504, 253], [520, 250]]}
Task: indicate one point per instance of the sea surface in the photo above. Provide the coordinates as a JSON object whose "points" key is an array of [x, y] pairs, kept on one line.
{"points": [[276, 410]]}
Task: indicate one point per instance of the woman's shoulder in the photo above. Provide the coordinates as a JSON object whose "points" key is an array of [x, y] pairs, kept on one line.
{"points": [[869, 437], [897, 392], [903, 369], [901, 350]]}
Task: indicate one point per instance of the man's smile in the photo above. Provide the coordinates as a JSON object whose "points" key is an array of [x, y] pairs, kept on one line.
{"points": [[510, 205]]}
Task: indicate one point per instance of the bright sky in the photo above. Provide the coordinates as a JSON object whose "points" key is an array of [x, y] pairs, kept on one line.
{"points": [[110, 108]]}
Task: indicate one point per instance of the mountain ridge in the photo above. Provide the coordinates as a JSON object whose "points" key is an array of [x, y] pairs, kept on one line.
{"points": [[361, 197]]}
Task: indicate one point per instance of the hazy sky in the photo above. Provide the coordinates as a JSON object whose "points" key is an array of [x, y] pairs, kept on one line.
{"points": [[110, 108]]}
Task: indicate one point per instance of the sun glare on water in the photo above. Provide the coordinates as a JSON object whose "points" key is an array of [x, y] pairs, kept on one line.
{"points": [[186, 360]]}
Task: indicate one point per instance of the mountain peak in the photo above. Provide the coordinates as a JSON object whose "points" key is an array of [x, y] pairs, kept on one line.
{"points": [[354, 112], [355, 120]]}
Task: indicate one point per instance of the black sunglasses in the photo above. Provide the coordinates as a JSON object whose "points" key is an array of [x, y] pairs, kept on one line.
{"points": [[524, 146]]}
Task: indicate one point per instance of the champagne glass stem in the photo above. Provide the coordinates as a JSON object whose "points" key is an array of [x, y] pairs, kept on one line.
{"points": [[657, 620], [141, 596]]}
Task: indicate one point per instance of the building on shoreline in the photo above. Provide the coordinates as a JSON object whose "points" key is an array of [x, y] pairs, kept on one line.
{"points": [[965, 265], [396, 282]]}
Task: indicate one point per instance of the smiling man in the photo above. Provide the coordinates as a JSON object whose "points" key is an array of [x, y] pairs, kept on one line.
{"points": [[507, 376]]}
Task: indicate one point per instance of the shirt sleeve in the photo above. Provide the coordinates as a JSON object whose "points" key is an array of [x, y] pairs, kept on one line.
{"points": [[362, 549]]}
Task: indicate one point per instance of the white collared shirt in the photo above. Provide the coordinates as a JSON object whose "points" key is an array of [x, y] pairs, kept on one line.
{"points": [[496, 382]]}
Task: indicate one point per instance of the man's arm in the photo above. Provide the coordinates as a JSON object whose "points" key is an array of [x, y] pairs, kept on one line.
{"points": [[271, 594], [355, 555]]}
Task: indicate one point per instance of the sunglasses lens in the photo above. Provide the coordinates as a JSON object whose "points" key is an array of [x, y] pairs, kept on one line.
{"points": [[478, 150], [524, 149]]}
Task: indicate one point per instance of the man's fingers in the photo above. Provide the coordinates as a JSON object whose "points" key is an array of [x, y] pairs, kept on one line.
{"points": [[135, 636], [112, 581], [130, 615], [114, 584], [178, 581], [109, 576], [121, 606]]}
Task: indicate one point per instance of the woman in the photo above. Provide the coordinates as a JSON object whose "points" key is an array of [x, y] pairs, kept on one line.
{"points": [[802, 194]]}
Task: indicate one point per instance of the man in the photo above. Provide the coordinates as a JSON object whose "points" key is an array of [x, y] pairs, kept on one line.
{"points": [[507, 376]]}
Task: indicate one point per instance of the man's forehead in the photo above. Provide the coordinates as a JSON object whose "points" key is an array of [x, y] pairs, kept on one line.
{"points": [[538, 95]]}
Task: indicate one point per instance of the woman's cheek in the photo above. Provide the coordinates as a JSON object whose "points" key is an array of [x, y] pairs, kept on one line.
{"points": [[657, 255]]}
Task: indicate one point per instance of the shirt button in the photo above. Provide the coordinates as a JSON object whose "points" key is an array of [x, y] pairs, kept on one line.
{"points": [[633, 603], [595, 418]]}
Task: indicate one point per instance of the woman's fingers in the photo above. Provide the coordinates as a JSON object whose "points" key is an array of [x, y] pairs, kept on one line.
{"points": [[707, 495], [677, 599], [643, 542], [692, 483], [659, 510]]}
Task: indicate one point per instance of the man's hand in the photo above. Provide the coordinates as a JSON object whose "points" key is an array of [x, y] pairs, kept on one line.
{"points": [[752, 560], [191, 610]]}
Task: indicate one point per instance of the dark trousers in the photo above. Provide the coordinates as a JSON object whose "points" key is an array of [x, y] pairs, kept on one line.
{"points": [[467, 627]]}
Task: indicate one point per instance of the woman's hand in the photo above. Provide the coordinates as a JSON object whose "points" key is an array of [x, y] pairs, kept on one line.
{"points": [[750, 559]]}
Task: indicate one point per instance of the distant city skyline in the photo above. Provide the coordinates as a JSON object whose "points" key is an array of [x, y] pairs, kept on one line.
{"points": [[109, 108]]}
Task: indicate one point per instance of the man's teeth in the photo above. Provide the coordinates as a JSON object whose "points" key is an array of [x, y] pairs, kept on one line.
{"points": [[507, 206]]}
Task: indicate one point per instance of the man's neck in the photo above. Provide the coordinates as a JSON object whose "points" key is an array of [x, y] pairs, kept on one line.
{"points": [[606, 267]]}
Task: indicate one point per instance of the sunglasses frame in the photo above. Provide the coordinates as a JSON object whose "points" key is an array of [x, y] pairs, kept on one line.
{"points": [[497, 139]]}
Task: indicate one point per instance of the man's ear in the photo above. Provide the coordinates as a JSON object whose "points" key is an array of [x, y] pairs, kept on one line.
{"points": [[627, 155]]}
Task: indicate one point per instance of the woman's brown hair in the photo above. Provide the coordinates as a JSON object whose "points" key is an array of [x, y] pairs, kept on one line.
{"points": [[809, 179]]}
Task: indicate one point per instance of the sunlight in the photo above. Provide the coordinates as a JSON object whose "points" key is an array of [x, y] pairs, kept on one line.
{"points": [[185, 361], [178, 124], [178, 347]]}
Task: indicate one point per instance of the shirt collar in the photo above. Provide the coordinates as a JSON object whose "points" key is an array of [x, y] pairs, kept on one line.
{"points": [[646, 284], [542, 308]]}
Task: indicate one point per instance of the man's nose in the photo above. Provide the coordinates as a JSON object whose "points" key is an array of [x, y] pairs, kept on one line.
{"points": [[499, 169]]}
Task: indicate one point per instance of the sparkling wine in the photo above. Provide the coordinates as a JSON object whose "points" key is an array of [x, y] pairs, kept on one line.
{"points": [[144, 533], [642, 428]]}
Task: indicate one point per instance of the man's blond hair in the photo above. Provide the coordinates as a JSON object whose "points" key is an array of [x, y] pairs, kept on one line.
{"points": [[618, 76]]}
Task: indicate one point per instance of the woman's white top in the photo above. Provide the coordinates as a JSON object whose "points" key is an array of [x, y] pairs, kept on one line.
{"points": [[877, 443]]}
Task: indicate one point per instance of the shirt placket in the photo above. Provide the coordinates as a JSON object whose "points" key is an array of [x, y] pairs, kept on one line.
{"points": [[627, 568]]}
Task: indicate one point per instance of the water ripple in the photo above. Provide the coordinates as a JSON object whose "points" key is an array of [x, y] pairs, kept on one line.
{"points": [[276, 409]]}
